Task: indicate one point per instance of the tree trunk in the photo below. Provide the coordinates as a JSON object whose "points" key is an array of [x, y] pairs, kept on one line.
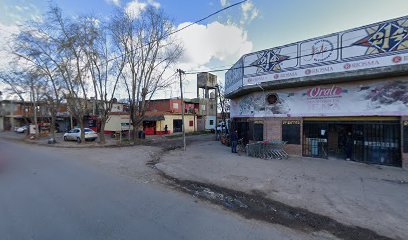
{"points": [[134, 131], [102, 130], [52, 127], [81, 125]]}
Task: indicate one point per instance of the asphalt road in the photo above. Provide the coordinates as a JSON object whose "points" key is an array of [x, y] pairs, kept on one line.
{"points": [[46, 195]]}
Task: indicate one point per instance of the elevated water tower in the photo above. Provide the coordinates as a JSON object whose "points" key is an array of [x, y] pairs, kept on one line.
{"points": [[207, 95]]}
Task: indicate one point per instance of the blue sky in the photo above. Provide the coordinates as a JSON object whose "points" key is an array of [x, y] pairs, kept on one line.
{"points": [[222, 39]]}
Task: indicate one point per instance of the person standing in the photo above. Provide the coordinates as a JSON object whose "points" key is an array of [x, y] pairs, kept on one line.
{"points": [[165, 129], [348, 146], [234, 141]]}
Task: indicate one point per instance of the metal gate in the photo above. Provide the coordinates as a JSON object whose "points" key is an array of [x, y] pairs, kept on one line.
{"points": [[378, 143], [315, 140], [373, 142]]}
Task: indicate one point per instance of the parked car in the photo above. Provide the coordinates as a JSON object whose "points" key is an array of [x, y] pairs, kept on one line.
{"points": [[75, 135], [223, 127], [21, 129]]}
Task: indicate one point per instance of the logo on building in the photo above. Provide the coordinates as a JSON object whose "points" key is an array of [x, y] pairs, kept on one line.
{"points": [[321, 50], [361, 64], [396, 59], [269, 60], [384, 38], [324, 92]]}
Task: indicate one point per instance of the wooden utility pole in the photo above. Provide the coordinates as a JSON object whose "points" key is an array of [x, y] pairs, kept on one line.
{"points": [[182, 109]]}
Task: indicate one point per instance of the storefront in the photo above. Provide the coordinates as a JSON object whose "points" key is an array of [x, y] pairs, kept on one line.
{"points": [[339, 96], [368, 139]]}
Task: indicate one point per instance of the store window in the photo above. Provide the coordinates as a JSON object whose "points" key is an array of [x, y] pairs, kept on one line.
{"points": [[291, 132]]}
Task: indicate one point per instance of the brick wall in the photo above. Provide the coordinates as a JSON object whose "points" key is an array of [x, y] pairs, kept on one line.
{"points": [[273, 131]]}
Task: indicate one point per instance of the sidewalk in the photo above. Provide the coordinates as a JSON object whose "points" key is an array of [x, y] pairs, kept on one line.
{"points": [[369, 196]]}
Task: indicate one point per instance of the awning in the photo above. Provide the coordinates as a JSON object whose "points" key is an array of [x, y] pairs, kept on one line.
{"points": [[153, 118]]}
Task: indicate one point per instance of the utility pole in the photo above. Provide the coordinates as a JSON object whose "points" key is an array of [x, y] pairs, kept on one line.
{"points": [[182, 109]]}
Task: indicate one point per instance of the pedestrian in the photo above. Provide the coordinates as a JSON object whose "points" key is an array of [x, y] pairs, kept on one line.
{"points": [[234, 141], [165, 129], [348, 146]]}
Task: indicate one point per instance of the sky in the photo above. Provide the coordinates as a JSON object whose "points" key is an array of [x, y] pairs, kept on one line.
{"points": [[221, 40]]}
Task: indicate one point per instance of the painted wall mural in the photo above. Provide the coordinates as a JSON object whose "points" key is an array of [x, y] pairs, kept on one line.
{"points": [[233, 77], [388, 98], [376, 45]]}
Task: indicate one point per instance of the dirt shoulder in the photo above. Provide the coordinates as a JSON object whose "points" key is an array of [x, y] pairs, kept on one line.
{"points": [[371, 198]]}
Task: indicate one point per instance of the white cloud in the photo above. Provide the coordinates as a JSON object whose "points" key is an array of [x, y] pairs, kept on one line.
{"points": [[154, 3], [135, 8], [6, 32], [215, 41], [249, 12], [207, 47], [114, 2], [224, 2]]}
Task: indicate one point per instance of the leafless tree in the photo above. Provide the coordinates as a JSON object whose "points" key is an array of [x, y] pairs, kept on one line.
{"points": [[67, 37], [35, 48], [223, 103], [149, 53], [106, 66]]}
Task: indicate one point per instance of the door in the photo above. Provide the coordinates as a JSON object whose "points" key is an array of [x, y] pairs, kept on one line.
{"points": [[177, 125]]}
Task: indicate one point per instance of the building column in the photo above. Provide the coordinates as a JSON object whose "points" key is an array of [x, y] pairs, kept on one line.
{"points": [[404, 155]]}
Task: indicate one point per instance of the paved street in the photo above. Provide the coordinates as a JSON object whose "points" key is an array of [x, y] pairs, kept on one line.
{"points": [[50, 193]]}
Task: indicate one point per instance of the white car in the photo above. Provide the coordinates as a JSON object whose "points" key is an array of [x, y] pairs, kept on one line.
{"points": [[75, 135], [21, 129]]}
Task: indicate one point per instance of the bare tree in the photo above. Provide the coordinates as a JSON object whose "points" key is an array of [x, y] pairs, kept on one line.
{"points": [[149, 54], [67, 37], [35, 48], [106, 65], [223, 103]]}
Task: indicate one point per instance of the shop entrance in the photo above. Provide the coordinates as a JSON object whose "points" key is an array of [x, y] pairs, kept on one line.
{"points": [[375, 142]]}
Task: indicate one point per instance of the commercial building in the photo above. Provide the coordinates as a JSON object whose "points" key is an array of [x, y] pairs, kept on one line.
{"points": [[347, 91]]}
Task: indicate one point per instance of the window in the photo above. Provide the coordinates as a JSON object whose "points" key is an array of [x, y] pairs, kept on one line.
{"points": [[211, 122], [291, 132], [272, 98], [191, 123], [203, 107], [175, 105]]}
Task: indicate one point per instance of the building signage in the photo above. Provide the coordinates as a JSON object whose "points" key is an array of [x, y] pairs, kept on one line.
{"points": [[319, 51], [324, 92], [388, 98], [376, 45], [290, 122]]}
